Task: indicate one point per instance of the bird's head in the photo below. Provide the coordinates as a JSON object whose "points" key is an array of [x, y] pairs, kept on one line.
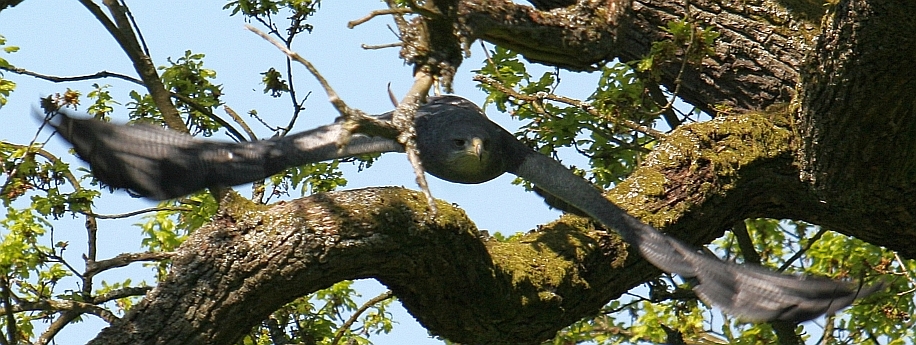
{"points": [[468, 154], [457, 141]]}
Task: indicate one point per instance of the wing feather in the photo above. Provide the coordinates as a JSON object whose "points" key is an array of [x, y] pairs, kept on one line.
{"points": [[751, 293], [162, 164]]}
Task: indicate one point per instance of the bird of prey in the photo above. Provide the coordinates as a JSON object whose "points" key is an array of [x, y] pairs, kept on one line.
{"points": [[457, 143]]}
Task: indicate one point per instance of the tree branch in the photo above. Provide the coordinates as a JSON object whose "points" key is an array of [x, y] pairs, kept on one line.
{"points": [[9, 313], [566, 100], [134, 213], [125, 37], [122, 293], [56, 79], [94, 267], [349, 323]]}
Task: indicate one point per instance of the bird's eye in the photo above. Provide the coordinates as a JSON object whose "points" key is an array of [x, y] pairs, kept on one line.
{"points": [[459, 142]]}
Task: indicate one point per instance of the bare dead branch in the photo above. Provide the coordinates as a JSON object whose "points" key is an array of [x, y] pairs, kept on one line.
{"points": [[373, 14], [332, 95], [56, 79], [381, 46], [94, 267], [357, 120]]}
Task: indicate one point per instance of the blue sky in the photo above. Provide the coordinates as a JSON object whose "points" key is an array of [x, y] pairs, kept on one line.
{"points": [[62, 38]]}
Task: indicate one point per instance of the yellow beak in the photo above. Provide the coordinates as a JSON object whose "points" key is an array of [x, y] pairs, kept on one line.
{"points": [[478, 148]]}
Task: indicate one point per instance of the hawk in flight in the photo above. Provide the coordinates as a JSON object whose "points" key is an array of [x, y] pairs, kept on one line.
{"points": [[459, 144]]}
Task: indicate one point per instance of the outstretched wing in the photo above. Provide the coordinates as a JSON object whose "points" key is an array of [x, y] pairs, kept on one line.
{"points": [[162, 164], [751, 293]]}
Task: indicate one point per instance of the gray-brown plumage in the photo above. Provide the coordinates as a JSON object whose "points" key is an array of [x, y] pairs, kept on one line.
{"points": [[459, 144]]}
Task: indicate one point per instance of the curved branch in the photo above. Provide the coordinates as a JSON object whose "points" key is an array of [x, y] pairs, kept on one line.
{"points": [[232, 273]]}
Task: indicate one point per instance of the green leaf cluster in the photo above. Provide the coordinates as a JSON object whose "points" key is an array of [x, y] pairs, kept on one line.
{"points": [[28, 270], [264, 10], [187, 76], [310, 178], [6, 85], [613, 150], [320, 317], [103, 103]]}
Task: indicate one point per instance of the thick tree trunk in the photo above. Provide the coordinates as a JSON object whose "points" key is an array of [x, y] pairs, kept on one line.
{"points": [[858, 123], [840, 154]]}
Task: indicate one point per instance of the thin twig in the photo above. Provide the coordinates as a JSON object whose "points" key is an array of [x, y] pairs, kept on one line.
{"points": [[332, 95], [398, 19], [355, 117], [349, 323], [655, 92], [678, 79], [56, 326], [402, 119], [136, 28], [59, 259], [133, 213], [56, 79], [376, 13], [486, 53], [906, 274], [380, 46], [573, 102], [196, 106], [257, 187]]}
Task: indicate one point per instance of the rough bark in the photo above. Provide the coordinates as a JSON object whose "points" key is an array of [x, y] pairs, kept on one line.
{"points": [[251, 260], [840, 154], [858, 122]]}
